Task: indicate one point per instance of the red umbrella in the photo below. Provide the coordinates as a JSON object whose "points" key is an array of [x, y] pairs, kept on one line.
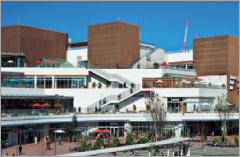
{"points": [[46, 104], [38, 62], [163, 64], [50, 62], [37, 105], [98, 130], [106, 130], [11, 105], [57, 105]]}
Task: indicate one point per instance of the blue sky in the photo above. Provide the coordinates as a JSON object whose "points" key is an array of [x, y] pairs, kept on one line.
{"points": [[162, 23]]}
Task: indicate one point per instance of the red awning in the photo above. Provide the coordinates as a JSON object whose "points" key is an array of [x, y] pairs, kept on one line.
{"points": [[46, 104], [163, 64], [106, 130], [98, 130], [38, 62], [57, 105], [50, 62], [37, 105]]}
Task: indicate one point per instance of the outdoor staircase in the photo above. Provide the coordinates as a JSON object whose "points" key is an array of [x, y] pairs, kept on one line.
{"points": [[113, 99], [111, 77]]}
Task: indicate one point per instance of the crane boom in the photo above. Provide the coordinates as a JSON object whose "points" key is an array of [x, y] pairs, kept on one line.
{"points": [[185, 36]]}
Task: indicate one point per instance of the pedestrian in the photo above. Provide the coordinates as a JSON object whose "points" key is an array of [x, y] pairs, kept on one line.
{"points": [[212, 135], [79, 109], [59, 140], [175, 154], [66, 138], [35, 139], [7, 154], [13, 155], [7, 142], [20, 150]]}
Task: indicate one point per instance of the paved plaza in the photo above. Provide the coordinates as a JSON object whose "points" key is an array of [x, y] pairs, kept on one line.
{"points": [[40, 150]]}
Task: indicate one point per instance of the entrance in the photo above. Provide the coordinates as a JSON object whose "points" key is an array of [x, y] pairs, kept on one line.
{"points": [[114, 131], [25, 137]]}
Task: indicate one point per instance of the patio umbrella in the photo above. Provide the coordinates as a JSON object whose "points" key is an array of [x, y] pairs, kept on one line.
{"points": [[98, 130], [27, 80], [106, 130], [46, 104], [164, 64], [11, 105], [159, 81], [196, 82], [10, 61], [13, 80], [49, 62], [57, 105], [38, 62], [205, 104], [37, 105]]}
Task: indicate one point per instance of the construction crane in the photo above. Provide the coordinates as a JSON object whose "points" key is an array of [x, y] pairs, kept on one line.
{"points": [[185, 36]]}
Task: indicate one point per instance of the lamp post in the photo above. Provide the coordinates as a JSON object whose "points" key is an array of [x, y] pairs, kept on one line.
{"points": [[57, 131]]}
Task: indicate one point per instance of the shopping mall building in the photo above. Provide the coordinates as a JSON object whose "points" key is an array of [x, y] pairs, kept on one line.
{"points": [[107, 80]]}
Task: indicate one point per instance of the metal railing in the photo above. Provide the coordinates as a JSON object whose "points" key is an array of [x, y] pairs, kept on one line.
{"points": [[112, 76], [113, 99], [178, 51]]}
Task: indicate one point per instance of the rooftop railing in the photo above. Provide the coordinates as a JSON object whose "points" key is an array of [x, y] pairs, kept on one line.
{"points": [[188, 86], [178, 51]]}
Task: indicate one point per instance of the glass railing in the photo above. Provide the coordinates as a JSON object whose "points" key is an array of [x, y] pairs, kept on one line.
{"points": [[188, 86], [177, 68], [17, 85]]}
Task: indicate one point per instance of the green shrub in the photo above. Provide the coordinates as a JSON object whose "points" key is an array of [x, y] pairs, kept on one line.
{"points": [[129, 140], [132, 85], [94, 84], [117, 107], [149, 134], [89, 146], [148, 107], [83, 145], [156, 65], [204, 137], [99, 85], [142, 140], [168, 135], [214, 140], [134, 107], [178, 66], [236, 141], [152, 147], [191, 135], [51, 135], [120, 85], [138, 65], [108, 83]]}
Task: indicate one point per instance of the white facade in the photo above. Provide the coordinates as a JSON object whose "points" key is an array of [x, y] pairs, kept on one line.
{"points": [[75, 55]]}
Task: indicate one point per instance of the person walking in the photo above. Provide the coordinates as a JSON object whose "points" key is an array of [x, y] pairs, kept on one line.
{"points": [[7, 142], [35, 139], [59, 140], [20, 150]]}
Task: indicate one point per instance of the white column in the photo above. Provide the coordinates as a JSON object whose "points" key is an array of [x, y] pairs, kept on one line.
{"points": [[53, 82], [35, 81], [167, 151]]}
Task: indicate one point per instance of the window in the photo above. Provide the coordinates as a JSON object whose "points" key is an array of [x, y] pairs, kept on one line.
{"points": [[69, 82], [79, 58]]}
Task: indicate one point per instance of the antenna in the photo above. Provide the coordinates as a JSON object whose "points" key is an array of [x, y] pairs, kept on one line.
{"points": [[185, 36]]}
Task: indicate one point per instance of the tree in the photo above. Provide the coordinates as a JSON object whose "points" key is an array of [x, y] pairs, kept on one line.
{"points": [[158, 115], [74, 123], [201, 128], [225, 111], [138, 65]]}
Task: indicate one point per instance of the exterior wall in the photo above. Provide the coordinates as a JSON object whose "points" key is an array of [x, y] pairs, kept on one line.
{"points": [[128, 43], [34, 42], [73, 54], [211, 55], [233, 65], [10, 38], [215, 79], [179, 57], [111, 44]]}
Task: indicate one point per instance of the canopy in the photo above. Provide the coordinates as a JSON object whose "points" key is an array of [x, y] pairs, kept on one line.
{"points": [[46, 104], [106, 130], [205, 104], [59, 131], [13, 80], [49, 62], [37, 105], [11, 105], [38, 62], [98, 130], [56, 105], [163, 64]]}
